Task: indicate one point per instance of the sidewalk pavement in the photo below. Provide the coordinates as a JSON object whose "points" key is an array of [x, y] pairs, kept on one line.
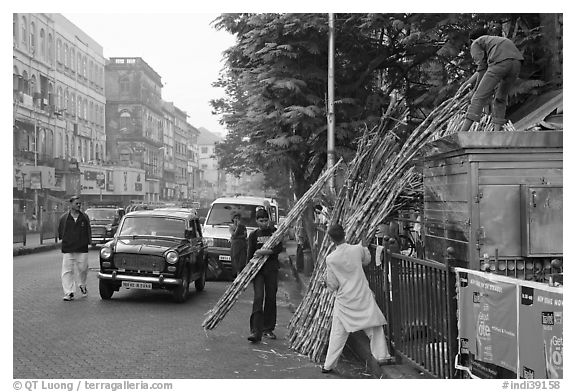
{"points": [[33, 245], [358, 341]]}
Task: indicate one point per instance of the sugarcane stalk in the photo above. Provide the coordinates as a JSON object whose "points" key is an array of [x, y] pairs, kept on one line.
{"points": [[243, 279]]}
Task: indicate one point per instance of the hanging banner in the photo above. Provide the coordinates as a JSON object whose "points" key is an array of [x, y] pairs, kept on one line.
{"points": [[541, 341], [35, 180], [508, 328], [487, 325]]}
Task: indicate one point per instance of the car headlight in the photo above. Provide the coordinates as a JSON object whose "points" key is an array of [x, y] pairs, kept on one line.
{"points": [[209, 241], [171, 257], [106, 252], [109, 227]]}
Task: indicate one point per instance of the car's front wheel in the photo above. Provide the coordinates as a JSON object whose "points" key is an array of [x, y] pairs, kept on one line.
{"points": [[106, 289], [200, 283], [181, 292]]}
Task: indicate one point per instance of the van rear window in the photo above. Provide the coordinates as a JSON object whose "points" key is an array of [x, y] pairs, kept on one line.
{"points": [[221, 214]]}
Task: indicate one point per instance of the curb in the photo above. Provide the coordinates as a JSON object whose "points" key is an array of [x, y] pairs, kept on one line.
{"points": [[23, 250]]}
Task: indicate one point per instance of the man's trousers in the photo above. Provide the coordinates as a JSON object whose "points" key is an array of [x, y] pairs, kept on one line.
{"points": [[338, 337], [263, 316], [70, 263]]}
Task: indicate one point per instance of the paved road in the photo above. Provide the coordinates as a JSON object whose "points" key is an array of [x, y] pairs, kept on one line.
{"points": [[141, 334]]}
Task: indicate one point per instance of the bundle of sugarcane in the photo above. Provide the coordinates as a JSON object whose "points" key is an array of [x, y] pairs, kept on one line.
{"points": [[232, 293], [381, 171]]}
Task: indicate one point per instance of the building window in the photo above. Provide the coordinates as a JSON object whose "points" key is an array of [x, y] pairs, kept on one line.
{"points": [[125, 120], [59, 99], [79, 64], [84, 70], [42, 44], [24, 84], [79, 107], [73, 105], [59, 50], [204, 150], [15, 29], [72, 60], [32, 85], [50, 49], [66, 54], [124, 85], [67, 101], [24, 36], [50, 94], [33, 37]]}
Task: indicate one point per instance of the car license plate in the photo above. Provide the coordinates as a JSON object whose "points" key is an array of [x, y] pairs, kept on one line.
{"points": [[224, 258], [137, 285]]}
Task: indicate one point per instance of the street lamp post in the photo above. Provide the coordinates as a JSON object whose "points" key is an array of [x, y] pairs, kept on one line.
{"points": [[331, 118]]}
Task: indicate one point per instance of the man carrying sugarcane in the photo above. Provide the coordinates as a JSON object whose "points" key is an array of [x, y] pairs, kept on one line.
{"points": [[263, 318], [354, 306], [498, 66]]}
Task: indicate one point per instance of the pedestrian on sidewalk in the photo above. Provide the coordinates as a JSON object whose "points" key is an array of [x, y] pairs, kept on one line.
{"points": [[75, 233], [355, 308], [239, 244], [498, 66], [263, 317]]}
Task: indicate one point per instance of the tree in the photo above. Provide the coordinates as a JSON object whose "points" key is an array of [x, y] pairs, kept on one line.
{"points": [[275, 79]]}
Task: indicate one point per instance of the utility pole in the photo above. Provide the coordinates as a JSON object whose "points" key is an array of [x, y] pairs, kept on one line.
{"points": [[330, 114]]}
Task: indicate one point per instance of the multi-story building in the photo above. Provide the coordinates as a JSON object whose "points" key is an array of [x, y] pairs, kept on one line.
{"points": [[181, 152], [213, 180], [194, 173], [135, 118], [168, 181], [58, 106]]}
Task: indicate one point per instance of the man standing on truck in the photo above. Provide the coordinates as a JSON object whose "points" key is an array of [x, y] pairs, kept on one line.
{"points": [[263, 317], [498, 66]]}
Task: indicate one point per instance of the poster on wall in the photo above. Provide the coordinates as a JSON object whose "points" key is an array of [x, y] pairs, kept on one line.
{"points": [[487, 325], [509, 328], [541, 339]]}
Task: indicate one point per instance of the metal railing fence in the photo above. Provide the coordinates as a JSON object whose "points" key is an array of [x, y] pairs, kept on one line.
{"points": [[49, 225], [19, 227], [418, 298]]}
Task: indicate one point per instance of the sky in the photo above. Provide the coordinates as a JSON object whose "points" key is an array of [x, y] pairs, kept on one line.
{"points": [[183, 48]]}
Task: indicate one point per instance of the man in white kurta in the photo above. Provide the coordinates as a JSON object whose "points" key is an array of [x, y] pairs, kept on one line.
{"points": [[354, 307]]}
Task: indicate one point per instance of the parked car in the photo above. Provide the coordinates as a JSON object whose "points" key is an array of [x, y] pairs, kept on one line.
{"points": [[155, 249], [104, 222], [217, 234]]}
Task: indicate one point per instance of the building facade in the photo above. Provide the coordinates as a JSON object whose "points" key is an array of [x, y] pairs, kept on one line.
{"points": [[135, 119], [58, 106], [212, 182], [194, 172], [83, 124]]}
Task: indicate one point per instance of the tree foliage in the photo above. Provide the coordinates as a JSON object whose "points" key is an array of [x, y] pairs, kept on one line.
{"points": [[275, 78]]}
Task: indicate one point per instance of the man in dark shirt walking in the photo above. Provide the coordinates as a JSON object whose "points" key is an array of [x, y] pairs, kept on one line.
{"points": [[498, 66], [263, 318], [75, 233]]}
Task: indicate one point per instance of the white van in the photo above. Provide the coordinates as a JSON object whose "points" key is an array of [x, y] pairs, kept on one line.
{"points": [[218, 219]]}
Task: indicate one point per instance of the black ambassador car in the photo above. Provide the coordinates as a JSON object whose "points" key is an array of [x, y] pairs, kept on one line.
{"points": [[154, 249], [104, 220]]}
